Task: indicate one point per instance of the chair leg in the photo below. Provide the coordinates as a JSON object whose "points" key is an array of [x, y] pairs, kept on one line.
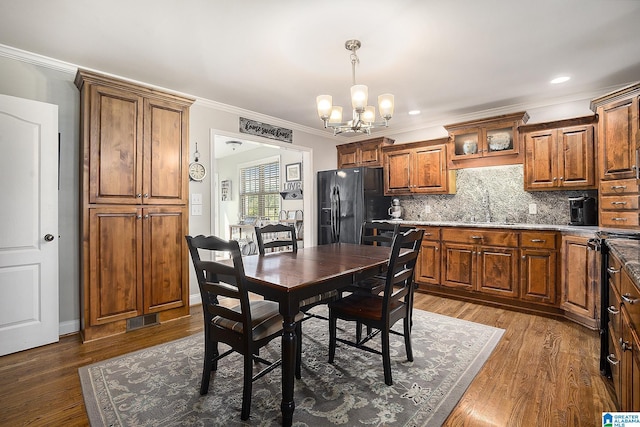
{"points": [[358, 332], [210, 353], [407, 339], [386, 357], [333, 324], [247, 387], [298, 349]]}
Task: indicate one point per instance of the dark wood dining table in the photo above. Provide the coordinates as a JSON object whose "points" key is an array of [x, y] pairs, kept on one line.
{"points": [[288, 278]]}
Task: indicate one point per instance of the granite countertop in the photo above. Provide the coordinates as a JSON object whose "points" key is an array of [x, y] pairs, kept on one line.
{"points": [[572, 229], [628, 251]]}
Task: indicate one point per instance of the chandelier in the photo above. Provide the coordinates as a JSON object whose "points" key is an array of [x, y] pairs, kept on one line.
{"points": [[363, 115]]}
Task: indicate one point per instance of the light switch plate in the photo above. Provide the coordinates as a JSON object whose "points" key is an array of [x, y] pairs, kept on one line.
{"points": [[196, 199], [533, 209], [196, 210]]}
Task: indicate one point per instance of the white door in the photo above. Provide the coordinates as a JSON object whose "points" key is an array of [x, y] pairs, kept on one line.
{"points": [[28, 224]]}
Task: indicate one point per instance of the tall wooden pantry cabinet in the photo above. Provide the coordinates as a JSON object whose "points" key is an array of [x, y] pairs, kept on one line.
{"points": [[134, 196]]}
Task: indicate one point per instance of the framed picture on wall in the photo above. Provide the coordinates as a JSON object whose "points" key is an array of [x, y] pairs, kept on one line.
{"points": [[293, 172], [225, 190]]}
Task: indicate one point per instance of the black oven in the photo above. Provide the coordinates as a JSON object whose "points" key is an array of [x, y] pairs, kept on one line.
{"points": [[599, 244]]}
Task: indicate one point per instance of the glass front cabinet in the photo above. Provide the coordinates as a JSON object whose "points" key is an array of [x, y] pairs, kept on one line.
{"points": [[481, 140]]}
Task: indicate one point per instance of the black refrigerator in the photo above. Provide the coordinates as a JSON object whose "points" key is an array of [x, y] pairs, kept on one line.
{"points": [[347, 198]]}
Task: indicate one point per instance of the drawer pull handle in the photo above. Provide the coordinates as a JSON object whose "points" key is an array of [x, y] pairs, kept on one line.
{"points": [[476, 237], [613, 310], [538, 240], [613, 270], [630, 299], [618, 203], [619, 219], [612, 359], [427, 234], [618, 187]]}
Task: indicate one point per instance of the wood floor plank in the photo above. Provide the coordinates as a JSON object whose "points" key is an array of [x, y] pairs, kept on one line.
{"points": [[544, 372]]}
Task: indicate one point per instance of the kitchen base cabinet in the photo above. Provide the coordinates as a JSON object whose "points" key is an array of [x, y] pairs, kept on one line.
{"points": [[137, 267], [579, 281], [134, 194], [428, 264], [538, 263]]}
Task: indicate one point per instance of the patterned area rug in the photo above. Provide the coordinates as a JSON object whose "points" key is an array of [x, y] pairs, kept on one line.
{"points": [[159, 386]]}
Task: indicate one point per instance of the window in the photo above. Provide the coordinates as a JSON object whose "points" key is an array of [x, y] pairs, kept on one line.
{"points": [[260, 190]]}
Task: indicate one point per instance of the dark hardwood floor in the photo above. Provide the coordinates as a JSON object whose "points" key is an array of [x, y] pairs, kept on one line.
{"points": [[544, 372]]}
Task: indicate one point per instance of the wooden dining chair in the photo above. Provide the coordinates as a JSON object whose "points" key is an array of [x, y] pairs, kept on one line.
{"points": [[381, 312], [289, 240], [273, 236], [245, 326]]}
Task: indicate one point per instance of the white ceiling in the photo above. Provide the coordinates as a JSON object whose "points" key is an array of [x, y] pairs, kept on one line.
{"points": [[448, 58]]}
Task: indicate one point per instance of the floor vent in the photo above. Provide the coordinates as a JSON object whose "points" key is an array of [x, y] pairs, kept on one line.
{"points": [[142, 321]]}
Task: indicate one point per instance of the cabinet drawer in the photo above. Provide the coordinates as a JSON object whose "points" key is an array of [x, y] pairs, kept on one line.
{"points": [[538, 240], [614, 271], [480, 237], [619, 186], [619, 219], [630, 299], [619, 203], [431, 233]]}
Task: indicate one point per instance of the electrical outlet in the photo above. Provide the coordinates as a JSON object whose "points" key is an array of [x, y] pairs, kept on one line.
{"points": [[427, 209], [533, 209]]}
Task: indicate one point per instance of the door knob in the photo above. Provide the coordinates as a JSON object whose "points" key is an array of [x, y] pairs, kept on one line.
{"points": [[48, 237]]}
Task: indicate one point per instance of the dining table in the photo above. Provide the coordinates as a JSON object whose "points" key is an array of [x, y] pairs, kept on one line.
{"points": [[290, 277]]}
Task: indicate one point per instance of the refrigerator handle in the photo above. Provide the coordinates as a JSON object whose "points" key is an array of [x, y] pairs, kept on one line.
{"points": [[333, 215], [338, 220]]}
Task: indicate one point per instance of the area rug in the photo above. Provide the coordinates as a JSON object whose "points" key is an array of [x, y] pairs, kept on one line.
{"points": [[159, 386]]}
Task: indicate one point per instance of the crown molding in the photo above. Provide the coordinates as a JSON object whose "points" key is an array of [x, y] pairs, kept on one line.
{"points": [[35, 59]]}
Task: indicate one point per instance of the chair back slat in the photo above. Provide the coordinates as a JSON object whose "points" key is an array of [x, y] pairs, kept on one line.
{"points": [[400, 271], [223, 279], [284, 236]]}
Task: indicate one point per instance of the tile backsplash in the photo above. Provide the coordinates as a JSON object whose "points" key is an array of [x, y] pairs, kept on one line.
{"points": [[492, 194]]}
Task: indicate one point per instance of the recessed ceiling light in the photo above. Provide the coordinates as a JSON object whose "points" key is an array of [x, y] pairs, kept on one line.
{"points": [[414, 112], [560, 79]]}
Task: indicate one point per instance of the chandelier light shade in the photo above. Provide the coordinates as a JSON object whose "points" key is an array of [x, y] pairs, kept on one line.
{"points": [[364, 115]]}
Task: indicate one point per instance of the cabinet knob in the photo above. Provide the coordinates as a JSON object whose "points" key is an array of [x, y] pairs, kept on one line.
{"points": [[146, 216], [146, 195], [524, 257], [139, 216], [555, 179], [139, 195]]}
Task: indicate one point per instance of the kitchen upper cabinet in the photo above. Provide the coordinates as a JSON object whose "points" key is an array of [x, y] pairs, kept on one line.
{"points": [[417, 168], [618, 132], [487, 142], [137, 145], [362, 153], [560, 155]]}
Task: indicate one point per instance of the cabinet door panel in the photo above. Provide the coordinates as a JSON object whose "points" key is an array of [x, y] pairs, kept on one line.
{"points": [[540, 160], [165, 153], [428, 270], [115, 264], [539, 275], [576, 157], [578, 293], [429, 174], [457, 265], [347, 157], [115, 153], [164, 253], [616, 139], [398, 167], [498, 271]]}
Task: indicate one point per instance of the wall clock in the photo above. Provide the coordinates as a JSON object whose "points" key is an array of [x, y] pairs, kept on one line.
{"points": [[197, 171]]}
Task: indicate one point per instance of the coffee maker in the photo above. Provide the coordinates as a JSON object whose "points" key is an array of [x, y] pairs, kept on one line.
{"points": [[583, 211]]}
